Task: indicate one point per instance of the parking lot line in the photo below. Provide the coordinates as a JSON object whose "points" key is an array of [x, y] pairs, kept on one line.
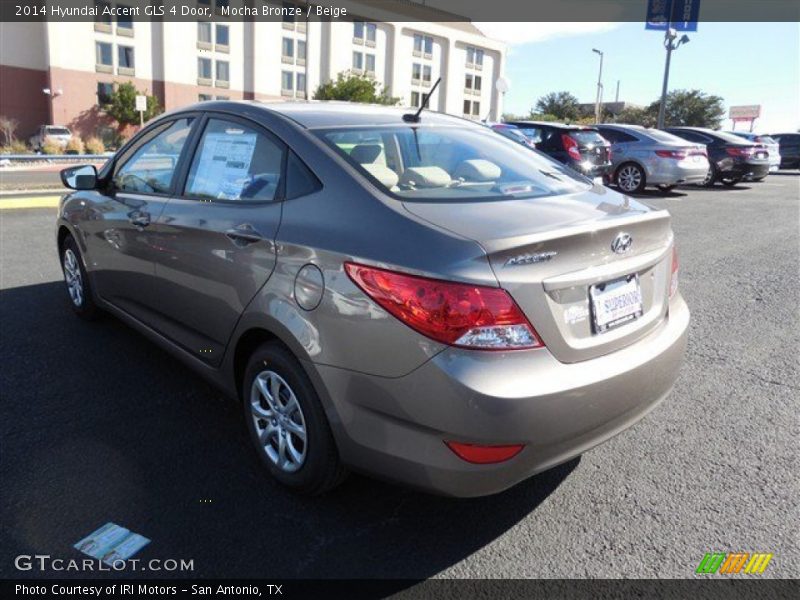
{"points": [[29, 202]]}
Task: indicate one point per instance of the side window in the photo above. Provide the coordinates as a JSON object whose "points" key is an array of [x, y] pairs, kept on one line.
{"points": [[235, 162], [534, 134], [152, 167], [300, 181], [611, 135]]}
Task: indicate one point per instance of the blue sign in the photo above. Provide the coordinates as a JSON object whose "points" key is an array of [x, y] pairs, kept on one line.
{"points": [[679, 14]]}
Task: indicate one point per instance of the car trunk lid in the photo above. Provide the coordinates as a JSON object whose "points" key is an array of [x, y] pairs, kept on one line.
{"points": [[548, 253]]}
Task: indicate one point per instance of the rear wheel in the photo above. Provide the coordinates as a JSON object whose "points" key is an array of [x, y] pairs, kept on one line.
{"points": [[666, 188], [711, 176], [287, 423], [760, 178], [78, 286], [630, 178], [730, 181]]}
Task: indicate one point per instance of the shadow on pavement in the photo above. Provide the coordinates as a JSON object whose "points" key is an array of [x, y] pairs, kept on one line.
{"points": [[100, 425]]}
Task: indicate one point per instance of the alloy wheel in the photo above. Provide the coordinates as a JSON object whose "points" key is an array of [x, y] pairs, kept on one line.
{"points": [[279, 421], [73, 278], [629, 178]]}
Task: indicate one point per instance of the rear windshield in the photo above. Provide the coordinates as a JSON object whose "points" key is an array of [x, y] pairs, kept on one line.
{"points": [[587, 137], [57, 131], [765, 139], [730, 138], [663, 136], [451, 163]]}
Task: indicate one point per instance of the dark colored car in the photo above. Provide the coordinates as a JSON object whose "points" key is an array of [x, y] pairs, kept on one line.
{"points": [[580, 147], [731, 158], [513, 132], [790, 149]]}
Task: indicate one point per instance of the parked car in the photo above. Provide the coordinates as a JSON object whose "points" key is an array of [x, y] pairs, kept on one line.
{"points": [[423, 300], [50, 133], [651, 157], [769, 144], [577, 146], [789, 144], [731, 158], [512, 132]]}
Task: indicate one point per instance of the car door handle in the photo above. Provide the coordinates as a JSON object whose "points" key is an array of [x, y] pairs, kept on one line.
{"points": [[243, 235], [139, 218]]}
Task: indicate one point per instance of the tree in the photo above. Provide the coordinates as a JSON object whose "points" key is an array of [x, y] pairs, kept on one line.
{"points": [[691, 108], [122, 105], [632, 115], [562, 105], [9, 127], [353, 87]]}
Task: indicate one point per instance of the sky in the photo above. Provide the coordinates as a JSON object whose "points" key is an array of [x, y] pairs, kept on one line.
{"points": [[744, 63]]}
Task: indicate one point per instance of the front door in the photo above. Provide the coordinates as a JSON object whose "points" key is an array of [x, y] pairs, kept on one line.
{"points": [[217, 236]]}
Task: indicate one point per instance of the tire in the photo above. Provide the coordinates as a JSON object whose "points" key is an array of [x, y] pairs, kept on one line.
{"points": [[630, 178], [759, 178], [711, 176], [666, 189], [78, 286], [730, 181], [292, 437]]}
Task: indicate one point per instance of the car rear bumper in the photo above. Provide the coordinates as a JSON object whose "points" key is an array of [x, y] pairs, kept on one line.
{"points": [[396, 427], [745, 170], [673, 172]]}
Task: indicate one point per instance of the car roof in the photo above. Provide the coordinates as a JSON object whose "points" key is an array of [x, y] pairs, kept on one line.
{"points": [[623, 126], [552, 124]]}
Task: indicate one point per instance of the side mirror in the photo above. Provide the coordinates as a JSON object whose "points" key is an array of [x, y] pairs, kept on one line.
{"points": [[83, 177]]}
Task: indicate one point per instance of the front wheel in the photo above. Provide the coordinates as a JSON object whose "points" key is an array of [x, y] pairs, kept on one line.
{"points": [[730, 181], [78, 286], [666, 188], [287, 423], [630, 178], [711, 176]]}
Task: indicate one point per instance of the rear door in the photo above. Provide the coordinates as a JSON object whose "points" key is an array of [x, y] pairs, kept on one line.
{"points": [[216, 236]]}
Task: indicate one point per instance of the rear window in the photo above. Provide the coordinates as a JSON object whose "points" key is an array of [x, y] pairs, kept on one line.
{"points": [[662, 136], [451, 163], [587, 137], [730, 138], [57, 131], [765, 139]]}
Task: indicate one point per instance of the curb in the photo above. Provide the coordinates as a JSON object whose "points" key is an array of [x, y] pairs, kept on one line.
{"points": [[39, 201]]}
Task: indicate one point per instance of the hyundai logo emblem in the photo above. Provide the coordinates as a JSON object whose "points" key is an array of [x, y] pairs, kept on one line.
{"points": [[622, 243]]}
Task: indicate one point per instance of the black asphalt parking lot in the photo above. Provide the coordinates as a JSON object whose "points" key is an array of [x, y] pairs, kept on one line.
{"points": [[99, 425]]}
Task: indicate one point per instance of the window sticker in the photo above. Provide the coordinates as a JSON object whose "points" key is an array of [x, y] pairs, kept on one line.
{"points": [[222, 171], [112, 543]]}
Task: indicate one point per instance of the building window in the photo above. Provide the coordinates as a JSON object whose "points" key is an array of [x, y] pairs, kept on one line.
{"points": [[287, 49], [415, 99], [222, 4], [204, 97], [472, 108], [287, 82], [288, 14], [124, 22], [358, 61], [104, 91], [416, 72], [204, 34], [423, 44], [204, 71], [301, 83], [103, 56], [364, 33], [472, 83], [370, 63], [223, 75], [223, 36], [426, 75], [223, 97], [125, 64], [358, 30], [474, 57], [102, 22], [428, 44], [372, 32], [301, 50]]}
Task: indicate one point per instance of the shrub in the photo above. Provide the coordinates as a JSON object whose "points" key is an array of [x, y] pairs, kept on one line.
{"points": [[16, 147], [51, 147], [94, 145], [75, 145]]}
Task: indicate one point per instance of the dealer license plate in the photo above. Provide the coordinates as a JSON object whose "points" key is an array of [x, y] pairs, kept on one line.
{"points": [[615, 303]]}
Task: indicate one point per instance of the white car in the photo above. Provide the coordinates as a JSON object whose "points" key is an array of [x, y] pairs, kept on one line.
{"points": [[52, 133], [771, 145]]}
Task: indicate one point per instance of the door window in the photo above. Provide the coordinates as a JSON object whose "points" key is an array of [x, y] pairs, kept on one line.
{"points": [[235, 162], [152, 167]]}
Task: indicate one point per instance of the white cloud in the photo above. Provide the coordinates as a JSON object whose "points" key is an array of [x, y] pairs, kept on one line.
{"points": [[516, 34]]}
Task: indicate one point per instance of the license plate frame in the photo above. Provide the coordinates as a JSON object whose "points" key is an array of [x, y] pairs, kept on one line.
{"points": [[599, 292]]}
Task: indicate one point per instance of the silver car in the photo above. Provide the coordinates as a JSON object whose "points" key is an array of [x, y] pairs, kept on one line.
{"points": [[771, 145], [417, 298], [650, 157]]}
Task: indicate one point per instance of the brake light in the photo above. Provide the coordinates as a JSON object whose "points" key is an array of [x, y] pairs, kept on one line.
{"points": [[484, 455], [457, 314], [740, 151], [673, 280], [571, 146], [676, 154]]}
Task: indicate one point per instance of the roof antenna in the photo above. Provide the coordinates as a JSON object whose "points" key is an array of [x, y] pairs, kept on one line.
{"points": [[409, 118]]}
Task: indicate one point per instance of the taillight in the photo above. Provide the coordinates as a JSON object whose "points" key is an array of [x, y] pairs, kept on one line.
{"points": [[698, 151], [571, 146], [484, 455], [676, 154], [740, 151], [673, 280], [457, 314]]}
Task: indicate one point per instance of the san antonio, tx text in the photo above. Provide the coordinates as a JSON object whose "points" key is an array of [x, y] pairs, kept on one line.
{"points": [[148, 590]]}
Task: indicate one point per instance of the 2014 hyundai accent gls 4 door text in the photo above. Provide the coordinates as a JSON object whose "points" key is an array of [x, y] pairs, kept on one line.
{"points": [[416, 298]]}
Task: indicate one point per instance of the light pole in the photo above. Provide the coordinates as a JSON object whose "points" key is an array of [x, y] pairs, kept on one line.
{"points": [[670, 44], [53, 94], [599, 87]]}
